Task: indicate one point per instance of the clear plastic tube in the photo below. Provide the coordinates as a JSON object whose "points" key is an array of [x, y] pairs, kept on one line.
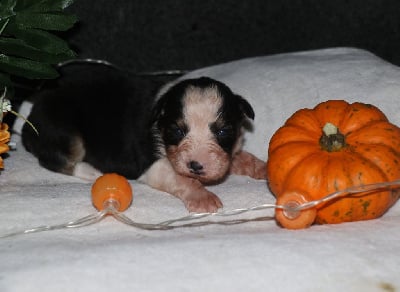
{"points": [[350, 191], [111, 208]]}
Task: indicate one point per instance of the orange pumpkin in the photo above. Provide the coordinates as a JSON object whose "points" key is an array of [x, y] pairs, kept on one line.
{"points": [[4, 139], [332, 147]]}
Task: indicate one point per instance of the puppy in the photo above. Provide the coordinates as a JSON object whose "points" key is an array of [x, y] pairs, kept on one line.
{"points": [[188, 137]]}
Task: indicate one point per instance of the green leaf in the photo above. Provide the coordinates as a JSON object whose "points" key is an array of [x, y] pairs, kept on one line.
{"points": [[27, 49], [40, 39], [43, 5], [26, 68], [15, 47], [7, 8], [44, 21]]}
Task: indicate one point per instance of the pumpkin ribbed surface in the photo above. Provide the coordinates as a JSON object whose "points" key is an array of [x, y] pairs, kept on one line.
{"points": [[332, 147]]}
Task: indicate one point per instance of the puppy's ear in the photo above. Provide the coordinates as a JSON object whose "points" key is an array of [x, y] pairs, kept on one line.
{"points": [[246, 107], [158, 110]]}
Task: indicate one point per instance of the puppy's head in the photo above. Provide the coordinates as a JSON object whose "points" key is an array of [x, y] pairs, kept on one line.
{"points": [[200, 125]]}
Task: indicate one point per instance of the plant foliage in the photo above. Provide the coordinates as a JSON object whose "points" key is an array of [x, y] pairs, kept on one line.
{"points": [[29, 46]]}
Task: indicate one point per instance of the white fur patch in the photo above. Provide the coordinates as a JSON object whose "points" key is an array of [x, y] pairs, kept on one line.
{"points": [[85, 171], [201, 109]]}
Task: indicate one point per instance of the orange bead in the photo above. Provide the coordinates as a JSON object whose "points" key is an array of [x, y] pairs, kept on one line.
{"points": [[112, 187], [294, 219]]}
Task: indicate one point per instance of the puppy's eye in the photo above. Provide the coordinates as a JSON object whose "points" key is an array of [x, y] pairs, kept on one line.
{"points": [[174, 134], [225, 135], [178, 132], [224, 132]]}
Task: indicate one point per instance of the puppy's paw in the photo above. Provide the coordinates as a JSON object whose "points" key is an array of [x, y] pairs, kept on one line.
{"points": [[202, 201], [85, 171], [245, 163], [260, 170]]}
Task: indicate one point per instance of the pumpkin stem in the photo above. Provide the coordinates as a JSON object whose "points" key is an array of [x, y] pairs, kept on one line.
{"points": [[331, 140]]}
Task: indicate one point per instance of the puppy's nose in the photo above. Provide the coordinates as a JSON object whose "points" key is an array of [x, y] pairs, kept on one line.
{"points": [[195, 167]]}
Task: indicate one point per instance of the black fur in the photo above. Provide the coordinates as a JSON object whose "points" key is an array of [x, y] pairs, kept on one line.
{"points": [[107, 109], [113, 115]]}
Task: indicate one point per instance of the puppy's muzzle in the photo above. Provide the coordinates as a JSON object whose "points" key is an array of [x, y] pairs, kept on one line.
{"points": [[195, 167]]}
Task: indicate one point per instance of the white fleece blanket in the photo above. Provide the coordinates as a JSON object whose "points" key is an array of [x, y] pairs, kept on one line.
{"points": [[249, 256]]}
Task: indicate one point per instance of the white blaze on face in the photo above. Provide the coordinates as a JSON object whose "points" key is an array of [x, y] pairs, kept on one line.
{"points": [[200, 111]]}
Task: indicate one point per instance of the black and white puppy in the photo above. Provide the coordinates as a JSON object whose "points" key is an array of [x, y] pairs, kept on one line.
{"points": [[102, 122]]}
